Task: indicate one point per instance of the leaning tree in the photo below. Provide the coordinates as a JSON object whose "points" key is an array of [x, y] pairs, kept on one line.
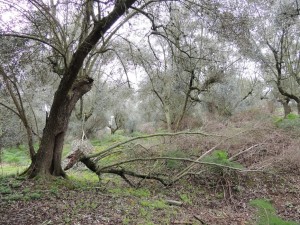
{"points": [[73, 33]]}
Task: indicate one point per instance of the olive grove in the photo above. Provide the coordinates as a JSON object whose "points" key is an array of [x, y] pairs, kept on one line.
{"points": [[82, 56]]}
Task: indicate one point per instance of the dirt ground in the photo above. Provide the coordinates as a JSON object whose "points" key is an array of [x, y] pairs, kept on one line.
{"points": [[211, 199], [33, 202]]}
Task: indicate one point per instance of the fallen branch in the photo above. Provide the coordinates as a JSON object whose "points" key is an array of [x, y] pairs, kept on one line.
{"points": [[176, 159], [173, 202], [104, 152], [92, 165], [243, 151], [199, 219], [188, 169], [122, 172]]}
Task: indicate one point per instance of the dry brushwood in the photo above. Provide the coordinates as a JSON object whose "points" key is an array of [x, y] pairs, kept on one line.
{"points": [[117, 168]]}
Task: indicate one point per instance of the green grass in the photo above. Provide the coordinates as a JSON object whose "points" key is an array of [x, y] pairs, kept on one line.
{"points": [[154, 204], [186, 198], [137, 192], [15, 155], [10, 169], [291, 121], [266, 214]]}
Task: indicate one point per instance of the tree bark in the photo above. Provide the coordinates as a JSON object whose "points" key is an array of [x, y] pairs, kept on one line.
{"points": [[49, 155], [168, 117]]}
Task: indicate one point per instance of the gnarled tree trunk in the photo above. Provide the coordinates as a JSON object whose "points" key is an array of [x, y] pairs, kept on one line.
{"points": [[47, 161], [48, 157]]}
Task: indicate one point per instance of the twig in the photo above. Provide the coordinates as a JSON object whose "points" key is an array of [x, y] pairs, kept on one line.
{"points": [[177, 159], [199, 219], [243, 151]]}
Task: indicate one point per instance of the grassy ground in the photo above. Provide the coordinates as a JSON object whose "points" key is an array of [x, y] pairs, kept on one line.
{"points": [[212, 197]]}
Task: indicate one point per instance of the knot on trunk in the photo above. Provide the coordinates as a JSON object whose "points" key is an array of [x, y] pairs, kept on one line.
{"points": [[83, 83]]}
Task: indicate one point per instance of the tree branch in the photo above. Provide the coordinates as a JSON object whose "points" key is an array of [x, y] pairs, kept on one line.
{"points": [[150, 136]]}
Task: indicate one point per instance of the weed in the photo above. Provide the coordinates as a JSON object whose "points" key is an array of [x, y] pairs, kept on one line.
{"points": [[13, 197], [26, 190], [146, 214], [140, 192], [54, 190], [221, 157], [11, 169], [117, 191], [5, 190], [16, 184], [34, 195], [267, 214], [292, 116], [186, 199], [126, 221]]}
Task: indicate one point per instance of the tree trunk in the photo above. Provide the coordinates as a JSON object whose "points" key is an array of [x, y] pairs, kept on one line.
{"points": [[48, 157], [286, 107], [30, 142], [298, 108], [168, 118]]}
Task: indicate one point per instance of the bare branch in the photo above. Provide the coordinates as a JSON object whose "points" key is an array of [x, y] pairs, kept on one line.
{"points": [[150, 136], [175, 159]]}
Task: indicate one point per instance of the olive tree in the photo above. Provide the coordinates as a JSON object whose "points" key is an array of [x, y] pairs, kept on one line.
{"points": [[72, 47], [74, 33]]}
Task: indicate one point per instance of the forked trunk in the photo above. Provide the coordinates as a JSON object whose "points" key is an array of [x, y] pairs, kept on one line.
{"points": [[48, 158]]}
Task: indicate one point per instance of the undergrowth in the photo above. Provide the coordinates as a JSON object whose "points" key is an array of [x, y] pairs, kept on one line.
{"points": [[221, 157], [291, 121], [266, 214]]}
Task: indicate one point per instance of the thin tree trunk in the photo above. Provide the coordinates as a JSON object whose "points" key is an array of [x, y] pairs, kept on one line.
{"points": [[168, 118], [15, 95], [298, 108]]}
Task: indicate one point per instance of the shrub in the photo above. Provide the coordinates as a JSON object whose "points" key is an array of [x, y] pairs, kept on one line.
{"points": [[221, 157]]}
